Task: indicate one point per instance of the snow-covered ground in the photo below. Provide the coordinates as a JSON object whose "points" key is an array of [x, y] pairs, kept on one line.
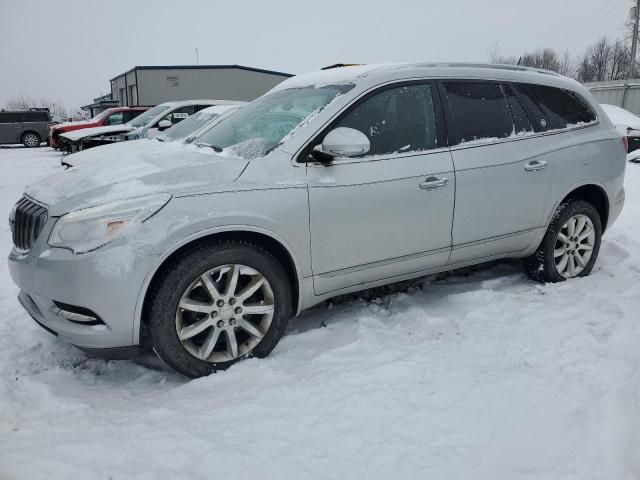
{"points": [[478, 375]]}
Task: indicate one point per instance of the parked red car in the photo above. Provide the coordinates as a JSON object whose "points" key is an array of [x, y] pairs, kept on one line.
{"points": [[111, 116]]}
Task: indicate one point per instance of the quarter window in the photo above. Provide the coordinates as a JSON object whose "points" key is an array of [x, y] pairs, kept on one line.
{"points": [[555, 108], [396, 120], [480, 111]]}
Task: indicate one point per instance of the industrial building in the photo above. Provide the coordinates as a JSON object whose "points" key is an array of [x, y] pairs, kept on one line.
{"points": [[151, 85], [622, 93]]}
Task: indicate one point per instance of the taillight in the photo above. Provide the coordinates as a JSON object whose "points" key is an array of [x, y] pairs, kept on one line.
{"points": [[625, 142]]}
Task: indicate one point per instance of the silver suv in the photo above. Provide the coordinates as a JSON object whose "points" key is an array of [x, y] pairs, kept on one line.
{"points": [[331, 182]]}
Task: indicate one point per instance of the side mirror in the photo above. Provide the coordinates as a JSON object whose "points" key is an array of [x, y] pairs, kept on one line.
{"points": [[164, 124], [342, 142]]}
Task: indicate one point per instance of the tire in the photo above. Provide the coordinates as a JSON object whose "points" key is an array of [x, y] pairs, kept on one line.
{"points": [[198, 350], [546, 264], [30, 139]]}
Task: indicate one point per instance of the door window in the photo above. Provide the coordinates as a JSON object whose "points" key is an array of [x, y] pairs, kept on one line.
{"points": [[521, 120], [6, 117], [480, 111], [114, 119], [555, 108], [396, 120], [179, 114]]}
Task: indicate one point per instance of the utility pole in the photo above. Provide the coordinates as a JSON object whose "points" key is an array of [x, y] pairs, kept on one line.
{"points": [[635, 15]]}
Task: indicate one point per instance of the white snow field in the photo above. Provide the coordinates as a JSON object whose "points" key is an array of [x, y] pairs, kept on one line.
{"points": [[482, 374]]}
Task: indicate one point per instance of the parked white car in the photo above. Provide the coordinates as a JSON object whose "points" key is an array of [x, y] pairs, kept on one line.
{"points": [[184, 132], [628, 124], [148, 125]]}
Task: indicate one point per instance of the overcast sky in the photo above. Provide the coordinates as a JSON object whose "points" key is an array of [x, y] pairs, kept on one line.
{"points": [[67, 50]]}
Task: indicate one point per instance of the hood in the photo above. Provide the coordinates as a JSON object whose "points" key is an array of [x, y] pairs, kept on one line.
{"points": [[110, 152], [76, 135], [103, 175], [73, 125]]}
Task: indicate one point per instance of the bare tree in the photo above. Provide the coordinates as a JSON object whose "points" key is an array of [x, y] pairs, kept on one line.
{"points": [[568, 66], [495, 56], [23, 102], [605, 60], [546, 58]]}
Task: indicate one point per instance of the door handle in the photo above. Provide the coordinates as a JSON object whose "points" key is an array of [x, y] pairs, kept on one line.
{"points": [[431, 183], [535, 165]]}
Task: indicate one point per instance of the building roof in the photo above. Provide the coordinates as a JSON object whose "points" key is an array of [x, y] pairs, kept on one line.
{"points": [[202, 67]]}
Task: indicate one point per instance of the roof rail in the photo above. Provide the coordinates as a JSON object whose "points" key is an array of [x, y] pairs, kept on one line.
{"points": [[495, 66]]}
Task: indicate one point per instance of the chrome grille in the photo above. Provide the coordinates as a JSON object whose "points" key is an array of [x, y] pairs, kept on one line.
{"points": [[27, 220]]}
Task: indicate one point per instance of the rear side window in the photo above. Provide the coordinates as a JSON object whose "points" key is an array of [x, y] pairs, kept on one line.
{"points": [[555, 108], [479, 110], [34, 116], [396, 120]]}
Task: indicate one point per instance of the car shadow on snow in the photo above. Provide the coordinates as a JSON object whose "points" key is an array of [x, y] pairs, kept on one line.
{"points": [[433, 290]]}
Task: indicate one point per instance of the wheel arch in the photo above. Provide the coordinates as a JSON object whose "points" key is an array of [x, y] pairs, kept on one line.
{"points": [[267, 240], [592, 193]]}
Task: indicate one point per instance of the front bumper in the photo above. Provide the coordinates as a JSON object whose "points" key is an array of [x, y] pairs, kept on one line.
{"points": [[106, 282]]}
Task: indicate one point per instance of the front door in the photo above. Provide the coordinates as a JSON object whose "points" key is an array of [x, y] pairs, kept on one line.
{"points": [[388, 213]]}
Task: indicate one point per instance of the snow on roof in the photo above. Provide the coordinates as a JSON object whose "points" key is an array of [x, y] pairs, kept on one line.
{"points": [[621, 117], [334, 76]]}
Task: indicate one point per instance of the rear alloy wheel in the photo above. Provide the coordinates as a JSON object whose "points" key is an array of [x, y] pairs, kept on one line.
{"points": [[216, 304], [574, 246], [570, 247], [31, 140]]}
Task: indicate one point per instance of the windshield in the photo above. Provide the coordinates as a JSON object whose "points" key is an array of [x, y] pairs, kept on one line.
{"points": [[144, 118], [189, 125], [259, 127]]}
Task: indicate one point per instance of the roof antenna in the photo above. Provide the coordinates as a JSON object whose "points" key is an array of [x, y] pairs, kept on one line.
{"points": [[519, 60], [197, 57]]}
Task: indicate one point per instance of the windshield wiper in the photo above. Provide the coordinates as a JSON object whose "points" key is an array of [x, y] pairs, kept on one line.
{"points": [[216, 148]]}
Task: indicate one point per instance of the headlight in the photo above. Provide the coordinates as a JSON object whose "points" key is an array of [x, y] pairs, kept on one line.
{"points": [[85, 230]]}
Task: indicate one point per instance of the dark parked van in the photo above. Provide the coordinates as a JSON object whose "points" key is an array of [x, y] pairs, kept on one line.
{"points": [[29, 127]]}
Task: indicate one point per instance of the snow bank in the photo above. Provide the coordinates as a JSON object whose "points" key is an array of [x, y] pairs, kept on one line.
{"points": [[482, 374]]}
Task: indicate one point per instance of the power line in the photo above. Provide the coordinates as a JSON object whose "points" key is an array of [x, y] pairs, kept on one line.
{"points": [[591, 22], [598, 26]]}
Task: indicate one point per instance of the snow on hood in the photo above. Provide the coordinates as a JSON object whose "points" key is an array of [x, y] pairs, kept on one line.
{"points": [[117, 172], [621, 117], [76, 135], [78, 123]]}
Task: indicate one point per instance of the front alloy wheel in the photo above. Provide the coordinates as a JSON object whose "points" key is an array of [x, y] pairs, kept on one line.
{"points": [[225, 313], [215, 304]]}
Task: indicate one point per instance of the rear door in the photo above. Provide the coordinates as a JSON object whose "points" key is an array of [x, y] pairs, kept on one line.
{"points": [[10, 127], [504, 170], [387, 213], [6, 128]]}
